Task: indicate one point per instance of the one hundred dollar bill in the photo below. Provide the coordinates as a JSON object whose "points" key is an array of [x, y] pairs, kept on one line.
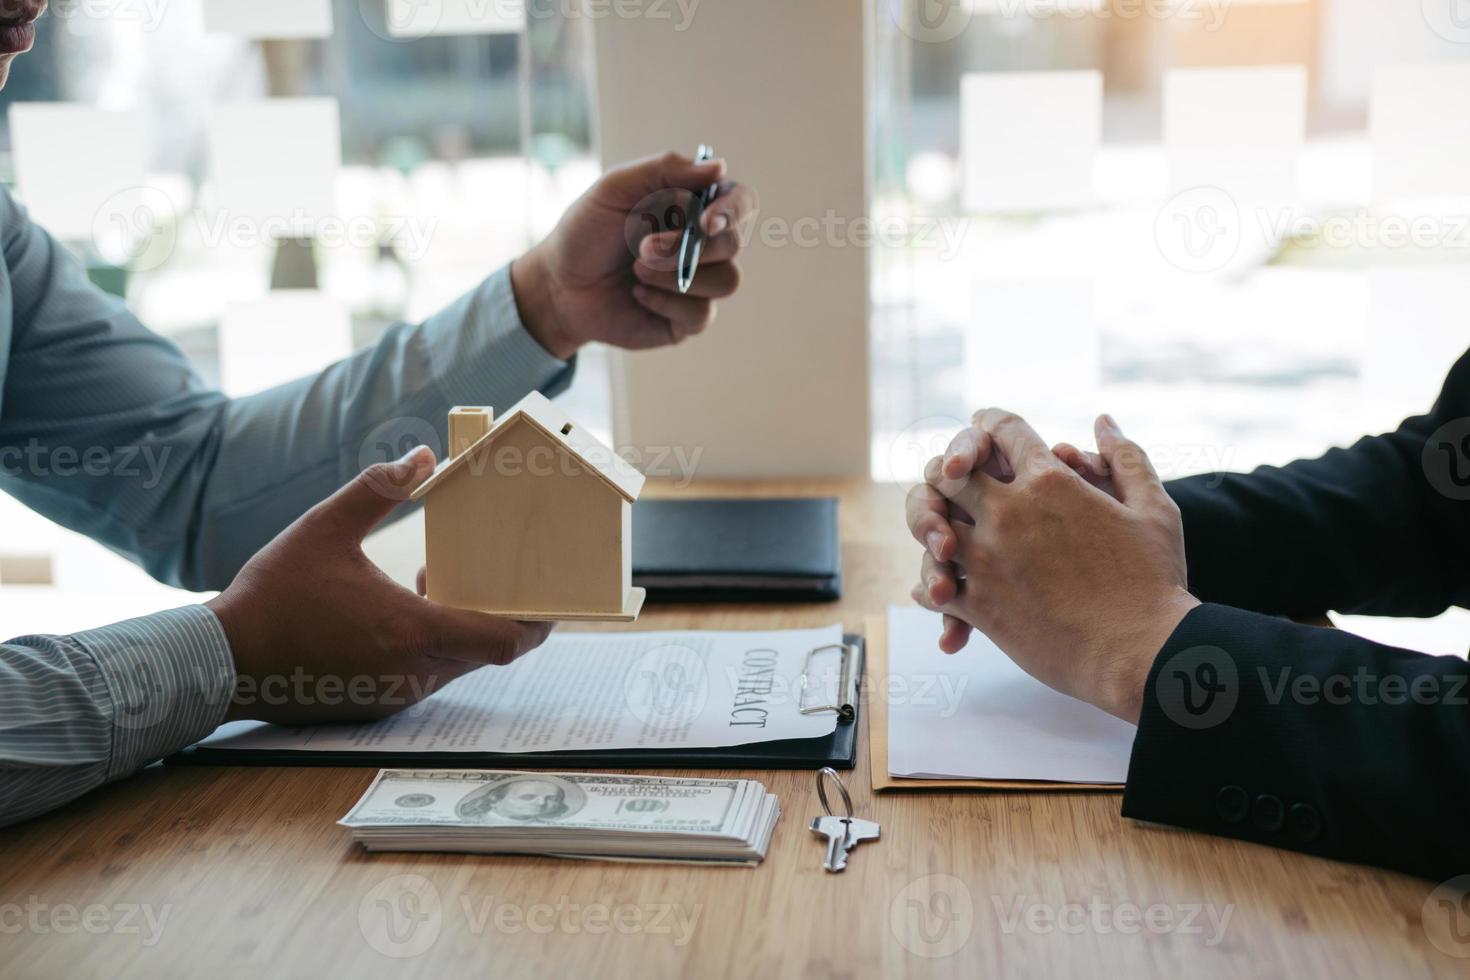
{"points": [[496, 803]]}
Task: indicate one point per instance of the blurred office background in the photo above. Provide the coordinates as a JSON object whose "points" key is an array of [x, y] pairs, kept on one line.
{"points": [[1241, 227], [1292, 137]]}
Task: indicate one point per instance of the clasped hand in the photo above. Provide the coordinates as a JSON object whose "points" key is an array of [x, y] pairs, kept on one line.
{"points": [[1071, 562]]}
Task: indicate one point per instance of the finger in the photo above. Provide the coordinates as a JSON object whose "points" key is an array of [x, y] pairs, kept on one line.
{"points": [[361, 505], [970, 551], [921, 597], [939, 580], [685, 315], [421, 583], [436, 672], [476, 637], [712, 282], [973, 450], [967, 452], [661, 251], [647, 331], [927, 512], [955, 635], [1133, 472], [632, 182], [1090, 466], [965, 494], [1080, 460], [1014, 437], [734, 205], [721, 248]]}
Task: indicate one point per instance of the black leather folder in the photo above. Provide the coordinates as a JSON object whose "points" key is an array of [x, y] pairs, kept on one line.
{"points": [[838, 750], [737, 550]]}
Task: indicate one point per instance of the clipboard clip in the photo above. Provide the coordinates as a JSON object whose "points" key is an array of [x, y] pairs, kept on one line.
{"points": [[847, 682]]}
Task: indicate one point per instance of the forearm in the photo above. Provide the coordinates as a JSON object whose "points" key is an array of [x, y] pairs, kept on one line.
{"points": [[83, 710], [108, 430], [190, 484], [1357, 530], [1249, 542], [1313, 740], [285, 450], [1369, 529]]}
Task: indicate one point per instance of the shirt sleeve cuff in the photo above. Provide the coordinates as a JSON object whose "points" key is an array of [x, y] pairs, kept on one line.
{"points": [[479, 341], [169, 676]]}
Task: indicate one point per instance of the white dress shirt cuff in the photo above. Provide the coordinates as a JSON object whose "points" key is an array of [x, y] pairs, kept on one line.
{"points": [[483, 328]]}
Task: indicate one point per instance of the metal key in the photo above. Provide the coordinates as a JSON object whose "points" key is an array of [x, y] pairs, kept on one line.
{"points": [[859, 831], [835, 830], [843, 834]]}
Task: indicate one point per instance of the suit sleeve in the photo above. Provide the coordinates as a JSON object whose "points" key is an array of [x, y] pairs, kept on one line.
{"points": [[1372, 529], [1309, 739]]}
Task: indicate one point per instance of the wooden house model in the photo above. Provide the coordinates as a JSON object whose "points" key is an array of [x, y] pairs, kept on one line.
{"points": [[530, 517]]}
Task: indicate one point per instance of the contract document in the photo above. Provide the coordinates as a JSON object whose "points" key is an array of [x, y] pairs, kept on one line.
{"points": [[590, 692]]}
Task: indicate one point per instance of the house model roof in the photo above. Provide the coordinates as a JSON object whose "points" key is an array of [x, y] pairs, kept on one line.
{"points": [[537, 410]]}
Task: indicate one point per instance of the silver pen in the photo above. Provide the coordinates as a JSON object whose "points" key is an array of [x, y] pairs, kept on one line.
{"points": [[692, 246]]}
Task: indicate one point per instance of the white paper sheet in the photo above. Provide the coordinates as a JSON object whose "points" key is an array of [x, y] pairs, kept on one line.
{"points": [[276, 160], [269, 19], [1421, 132], [1416, 332], [414, 18], [1017, 325], [590, 691], [1239, 129], [1029, 140], [977, 715], [74, 165]]}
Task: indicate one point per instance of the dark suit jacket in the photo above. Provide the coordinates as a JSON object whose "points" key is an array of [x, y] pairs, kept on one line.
{"points": [[1308, 738]]}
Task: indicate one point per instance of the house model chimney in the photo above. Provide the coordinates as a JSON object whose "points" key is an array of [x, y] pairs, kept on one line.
{"points": [[467, 423]]}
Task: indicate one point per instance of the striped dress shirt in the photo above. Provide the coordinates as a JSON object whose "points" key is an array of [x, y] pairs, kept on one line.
{"points": [[106, 429]]}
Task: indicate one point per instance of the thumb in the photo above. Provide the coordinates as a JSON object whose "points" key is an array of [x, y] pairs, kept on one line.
{"points": [[362, 504], [635, 181], [1132, 471], [478, 638]]}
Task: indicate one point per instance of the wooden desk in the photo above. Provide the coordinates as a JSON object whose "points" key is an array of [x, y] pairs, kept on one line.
{"points": [[251, 877]]}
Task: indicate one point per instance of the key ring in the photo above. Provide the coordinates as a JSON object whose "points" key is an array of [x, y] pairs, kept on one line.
{"points": [[822, 791]]}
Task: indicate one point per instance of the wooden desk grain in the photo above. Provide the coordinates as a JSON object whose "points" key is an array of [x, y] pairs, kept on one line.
{"points": [[245, 874]]}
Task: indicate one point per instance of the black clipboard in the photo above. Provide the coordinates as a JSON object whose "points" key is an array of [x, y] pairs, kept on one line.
{"points": [[838, 750]]}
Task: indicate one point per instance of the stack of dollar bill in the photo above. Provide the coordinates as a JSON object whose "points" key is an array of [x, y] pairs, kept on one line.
{"points": [[636, 818]]}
